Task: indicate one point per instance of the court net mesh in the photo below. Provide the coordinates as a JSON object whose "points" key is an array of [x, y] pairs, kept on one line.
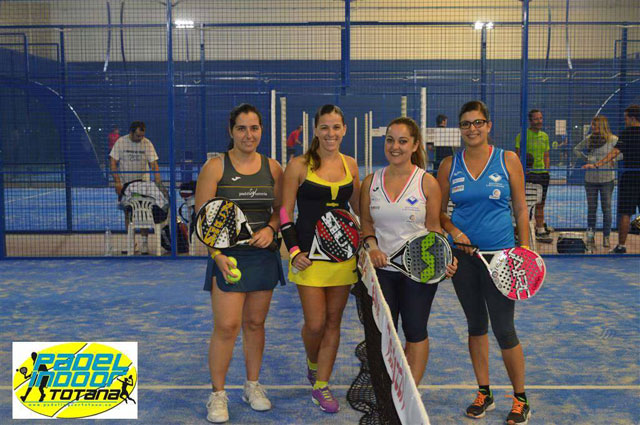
{"points": [[383, 390]]}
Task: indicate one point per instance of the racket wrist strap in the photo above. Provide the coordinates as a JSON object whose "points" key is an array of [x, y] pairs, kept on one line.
{"points": [[275, 233], [366, 245]]}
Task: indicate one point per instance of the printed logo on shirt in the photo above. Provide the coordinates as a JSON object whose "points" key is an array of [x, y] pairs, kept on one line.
{"points": [[458, 180], [412, 200], [251, 193], [457, 173], [495, 194], [376, 189], [457, 189], [235, 179], [495, 177]]}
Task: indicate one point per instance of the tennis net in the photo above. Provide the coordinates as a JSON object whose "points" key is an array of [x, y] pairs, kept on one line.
{"points": [[384, 390]]}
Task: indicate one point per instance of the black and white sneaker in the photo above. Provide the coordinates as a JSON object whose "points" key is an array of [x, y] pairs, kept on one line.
{"points": [[520, 412], [482, 403], [619, 249], [544, 237]]}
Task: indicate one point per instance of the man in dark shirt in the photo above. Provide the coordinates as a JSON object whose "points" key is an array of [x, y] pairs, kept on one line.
{"points": [[629, 182]]}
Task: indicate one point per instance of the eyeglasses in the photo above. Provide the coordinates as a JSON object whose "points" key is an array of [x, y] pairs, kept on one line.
{"points": [[476, 123]]}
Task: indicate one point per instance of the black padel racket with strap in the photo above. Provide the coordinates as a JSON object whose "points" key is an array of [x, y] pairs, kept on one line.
{"points": [[423, 258], [220, 223], [336, 238]]}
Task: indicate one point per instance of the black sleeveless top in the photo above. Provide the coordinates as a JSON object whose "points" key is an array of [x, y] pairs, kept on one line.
{"points": [[317, 196], [253, 193]]}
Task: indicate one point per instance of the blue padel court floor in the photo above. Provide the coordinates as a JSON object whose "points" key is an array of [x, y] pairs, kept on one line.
{"points": [[581, 337]]}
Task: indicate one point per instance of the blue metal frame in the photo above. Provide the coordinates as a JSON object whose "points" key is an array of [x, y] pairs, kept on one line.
{"points": [[524, 84], [172, 131]]}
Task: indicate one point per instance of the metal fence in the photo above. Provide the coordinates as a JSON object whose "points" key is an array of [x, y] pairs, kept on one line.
{"points": [[71, 71]]}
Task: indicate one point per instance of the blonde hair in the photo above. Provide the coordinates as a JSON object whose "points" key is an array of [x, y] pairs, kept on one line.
{"points": [[418, 157], [603, 126]]}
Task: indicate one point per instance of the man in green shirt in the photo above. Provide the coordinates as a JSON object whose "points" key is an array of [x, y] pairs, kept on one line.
{"points": [[538, 148]]}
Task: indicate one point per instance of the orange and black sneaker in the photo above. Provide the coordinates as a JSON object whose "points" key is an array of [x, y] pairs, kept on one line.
{"points": [[480, 405], [520, 412]]}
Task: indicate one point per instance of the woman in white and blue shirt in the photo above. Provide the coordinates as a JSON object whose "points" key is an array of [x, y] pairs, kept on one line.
{"points": [[481, 180]]}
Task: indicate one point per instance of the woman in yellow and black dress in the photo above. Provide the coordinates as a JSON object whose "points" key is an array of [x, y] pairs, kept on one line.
{"points": [[321, 180]]}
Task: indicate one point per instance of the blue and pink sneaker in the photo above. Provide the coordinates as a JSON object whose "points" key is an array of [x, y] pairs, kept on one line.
{"points": [[323, 398]]}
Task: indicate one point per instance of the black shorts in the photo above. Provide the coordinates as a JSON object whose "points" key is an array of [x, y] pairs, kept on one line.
{"points": [[543, 180], [481, 301], [629, 193], [409, 299]]}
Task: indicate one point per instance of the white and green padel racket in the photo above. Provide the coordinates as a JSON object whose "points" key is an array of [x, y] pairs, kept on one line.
{"points": [[423, 258]]}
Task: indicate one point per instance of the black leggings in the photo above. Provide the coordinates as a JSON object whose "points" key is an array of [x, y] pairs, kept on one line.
{"points": [[410, 299], [477, 294]]}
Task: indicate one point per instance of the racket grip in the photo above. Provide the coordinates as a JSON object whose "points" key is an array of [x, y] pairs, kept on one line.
{"points": [[273, 246]]}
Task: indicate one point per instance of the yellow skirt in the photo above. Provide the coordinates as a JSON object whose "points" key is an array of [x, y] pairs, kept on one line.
{"points": [[325, 274]]}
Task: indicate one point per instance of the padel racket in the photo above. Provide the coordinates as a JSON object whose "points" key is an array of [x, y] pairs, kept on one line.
{"points": [[336, 237], [220, 223], [518, 272], [423, 258]]}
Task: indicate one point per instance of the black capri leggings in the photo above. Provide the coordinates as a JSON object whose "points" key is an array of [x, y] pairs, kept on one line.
{"points": [[411, 300], [478, 295]]}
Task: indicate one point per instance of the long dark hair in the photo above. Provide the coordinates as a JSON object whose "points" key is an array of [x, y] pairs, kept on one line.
{"points": [[311, 155], [243, 108], [418, 157]]}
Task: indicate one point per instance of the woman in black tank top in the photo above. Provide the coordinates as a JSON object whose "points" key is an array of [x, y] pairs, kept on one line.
{"points": [[255, 183]]}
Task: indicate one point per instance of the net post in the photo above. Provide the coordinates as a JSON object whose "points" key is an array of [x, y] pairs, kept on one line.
{"points": [[283, 130], [273, 124]]}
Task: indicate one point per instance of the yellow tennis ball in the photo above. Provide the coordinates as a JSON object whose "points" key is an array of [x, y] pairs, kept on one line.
{"points": [[234, 261], [236, 275]]}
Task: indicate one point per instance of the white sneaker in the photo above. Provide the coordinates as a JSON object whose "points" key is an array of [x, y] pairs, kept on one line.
{"points": [[217, 411], [255, 395]]}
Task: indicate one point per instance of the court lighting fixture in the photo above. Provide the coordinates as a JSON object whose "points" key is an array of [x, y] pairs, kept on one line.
{"points": [[479, 25], [183, 23]]}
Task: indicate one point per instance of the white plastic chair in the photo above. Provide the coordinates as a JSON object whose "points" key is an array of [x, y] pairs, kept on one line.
{"points": [[142, 218]]}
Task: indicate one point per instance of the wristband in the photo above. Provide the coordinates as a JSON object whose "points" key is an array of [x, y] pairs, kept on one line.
{"points": [[369, 236], [289, 235], [272, 229], [525, 246], [215, 253], [455, 238], [294, 254]]}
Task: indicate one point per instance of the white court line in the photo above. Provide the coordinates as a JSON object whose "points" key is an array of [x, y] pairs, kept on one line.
{"points": [[34, 196], [421, 387]]}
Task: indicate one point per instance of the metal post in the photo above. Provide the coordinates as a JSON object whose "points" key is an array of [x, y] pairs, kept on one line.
{"points": [[346, 47], [483, 63], [423, 112], [63, 136], [283, 130], [355, 139], [623, 103], [172, 130], [524, 83], [273, 124], [203, 98]]}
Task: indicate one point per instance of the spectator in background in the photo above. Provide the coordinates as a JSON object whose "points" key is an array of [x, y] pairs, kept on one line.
{"points": [[292, 141], [131, 158], [629, 182], [538, 146], [113, 137], [441, 152], [597, 145]]}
